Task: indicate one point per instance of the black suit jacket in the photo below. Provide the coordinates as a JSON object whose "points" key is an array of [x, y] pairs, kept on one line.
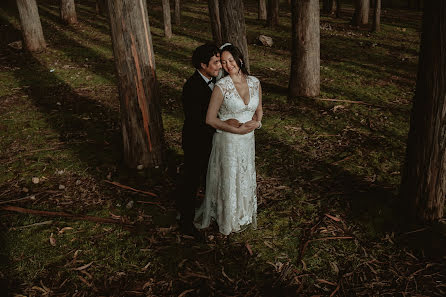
{"points": [[197, 135]]}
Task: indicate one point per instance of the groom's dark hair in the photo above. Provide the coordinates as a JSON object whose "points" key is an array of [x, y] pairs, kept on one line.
{"points": [[203, 54]]}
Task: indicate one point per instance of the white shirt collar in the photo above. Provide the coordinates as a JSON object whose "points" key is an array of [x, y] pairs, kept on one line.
{"points": [[204, 77]]}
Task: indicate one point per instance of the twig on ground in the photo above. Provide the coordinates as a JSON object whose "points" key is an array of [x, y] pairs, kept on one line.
{"points": [[34, 225], [16, 200], [130, 188], [65, 215], [154, 203], [348, 101]]}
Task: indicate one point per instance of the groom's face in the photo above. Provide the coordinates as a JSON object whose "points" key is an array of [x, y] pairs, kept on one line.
{"points": [[213, 67]]}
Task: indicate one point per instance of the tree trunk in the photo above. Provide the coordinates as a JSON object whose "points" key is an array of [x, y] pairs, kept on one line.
{"points": [[262, 10], [424, 177], [233, 27], [338, 8], [326, 6], [68, 12], [305, 55], [101, 7], [361, 15], [31, 26], [273, 13], [418, 4], [166, 19], [214, 16], [332, 7], [377, 16], [177, 12], [141, 124]]}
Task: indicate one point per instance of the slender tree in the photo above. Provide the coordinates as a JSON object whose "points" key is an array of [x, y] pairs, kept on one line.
{"points": [[31, 26], [305, 55], [101, 7], [377, 16], [214, 16], [424, 177], [326, 6], [68, 12], [338, 8], [262, 10], [233, 28], [273, 13], [141, 123], [166, 19], [361, 14], [332, 7], [177, 12]]}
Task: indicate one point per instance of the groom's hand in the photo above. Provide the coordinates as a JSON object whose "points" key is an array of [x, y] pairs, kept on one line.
{"points": [[248, 127], [233, 123]]}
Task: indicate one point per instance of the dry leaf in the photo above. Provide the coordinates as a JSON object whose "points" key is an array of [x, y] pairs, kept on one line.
{"points": [[35, 180], [83, 267], [52, 240], [185, 292], [64, 229], [248, 247], [333, 218]]}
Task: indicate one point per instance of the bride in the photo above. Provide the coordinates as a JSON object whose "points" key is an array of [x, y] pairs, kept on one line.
{"points": [[231, 178]]}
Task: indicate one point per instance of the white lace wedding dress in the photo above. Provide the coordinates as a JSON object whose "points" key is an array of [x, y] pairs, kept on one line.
{"points": [[230, 197]]}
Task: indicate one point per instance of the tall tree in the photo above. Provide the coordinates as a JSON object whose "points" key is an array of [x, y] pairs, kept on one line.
{"points": [[332, 7], [141, 123], [326, 6], [338, 8], [361, 14], [262, 10], [377, 16], [424, 177], [68, 12], [233, 28], [101, 7], [305, 54], [273, 13], [214, 16], [166, 19], [177, 12], [31, 26]]}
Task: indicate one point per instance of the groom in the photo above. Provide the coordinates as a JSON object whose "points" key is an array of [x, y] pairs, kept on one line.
{"points": [[197, 136]]}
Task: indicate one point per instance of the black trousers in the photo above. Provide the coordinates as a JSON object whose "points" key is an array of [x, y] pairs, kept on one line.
{"points": [[193, 175]]}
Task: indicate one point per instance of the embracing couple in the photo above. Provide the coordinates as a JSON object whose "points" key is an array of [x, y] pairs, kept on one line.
{"points": [[218, 141]]}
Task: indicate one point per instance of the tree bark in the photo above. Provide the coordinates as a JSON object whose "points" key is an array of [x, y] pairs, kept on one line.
{"points": [[141, 124], [177, 12], [31, 26], [233, 27], [361, 14], [166, 19], [332, 7], [305, 55], [273, 13], [326, 6], [377, 17], [214, 16], [262, 10], [101, 7], [338, 8], [424, 177], [68, 12]]}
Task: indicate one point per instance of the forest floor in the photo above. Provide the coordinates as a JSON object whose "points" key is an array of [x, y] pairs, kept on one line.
{"points": [[330, 222]]}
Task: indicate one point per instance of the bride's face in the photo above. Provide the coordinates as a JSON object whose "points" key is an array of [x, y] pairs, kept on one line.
{"points": [[228, 63]]}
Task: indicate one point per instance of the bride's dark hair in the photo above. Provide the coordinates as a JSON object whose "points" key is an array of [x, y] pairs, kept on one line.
{"points": [[237, 55]]}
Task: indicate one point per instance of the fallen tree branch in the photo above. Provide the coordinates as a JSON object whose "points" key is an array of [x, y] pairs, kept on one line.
{"points": [[348, 101], [130, 188], [16, 200], [65, 215]]}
